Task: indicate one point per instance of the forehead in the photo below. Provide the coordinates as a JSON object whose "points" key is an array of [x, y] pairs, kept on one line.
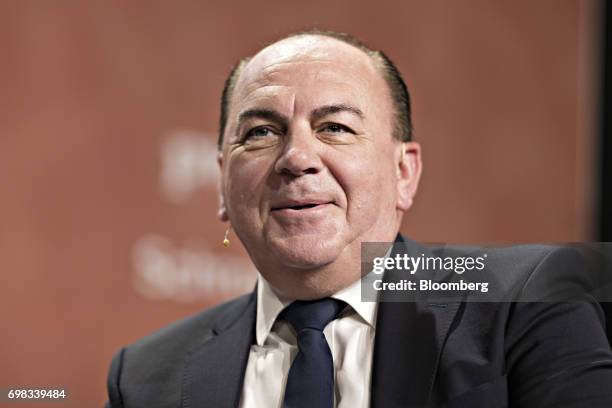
{"points": [[311, 63]]}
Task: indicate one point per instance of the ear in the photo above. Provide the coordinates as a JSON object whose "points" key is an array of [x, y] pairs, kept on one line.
{"points": [[409, 167], [222, 213]]}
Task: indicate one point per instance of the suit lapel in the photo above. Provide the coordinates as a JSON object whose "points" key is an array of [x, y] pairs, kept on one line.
{"points": [[214, 371], [407, 347]]}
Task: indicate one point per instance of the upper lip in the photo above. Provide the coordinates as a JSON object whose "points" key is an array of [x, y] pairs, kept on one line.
{"points": [[290, 203]]}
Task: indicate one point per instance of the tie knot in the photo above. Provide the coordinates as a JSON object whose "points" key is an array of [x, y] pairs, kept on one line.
{"points": [[312, 314]]}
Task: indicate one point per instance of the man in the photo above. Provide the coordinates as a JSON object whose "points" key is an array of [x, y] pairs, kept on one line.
{"points": [[317, 157]]}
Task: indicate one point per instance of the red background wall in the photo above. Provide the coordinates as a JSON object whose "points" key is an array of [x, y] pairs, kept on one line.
{"points": [[108, 114]]}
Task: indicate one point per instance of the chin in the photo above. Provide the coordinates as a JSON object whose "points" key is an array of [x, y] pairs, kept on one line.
{"points": [[305, 251]]}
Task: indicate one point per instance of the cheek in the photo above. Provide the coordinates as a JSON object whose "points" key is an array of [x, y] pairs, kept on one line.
{"points": [[245, 180], [367, 184]]}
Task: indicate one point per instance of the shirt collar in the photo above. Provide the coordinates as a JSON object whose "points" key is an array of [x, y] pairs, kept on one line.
{"points": [[270, 304]]}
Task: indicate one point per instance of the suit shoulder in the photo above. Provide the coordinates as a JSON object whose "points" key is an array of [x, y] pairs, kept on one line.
{"points": [[182, 335], [529, 252], [156, 362], [523, 257], [513, 267], [526, 262]]}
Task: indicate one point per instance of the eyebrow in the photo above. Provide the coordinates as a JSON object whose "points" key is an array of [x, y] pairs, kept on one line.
{"points": [[331, 109]]}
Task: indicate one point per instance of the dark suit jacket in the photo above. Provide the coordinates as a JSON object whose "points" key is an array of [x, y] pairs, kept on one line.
{"points": [[456, 354]]}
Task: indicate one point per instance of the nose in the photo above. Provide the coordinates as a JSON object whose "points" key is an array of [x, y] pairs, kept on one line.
{"points": [[300, 154]]}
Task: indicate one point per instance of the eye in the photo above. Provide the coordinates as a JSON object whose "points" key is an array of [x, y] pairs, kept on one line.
{"points": [[260, 131], [335, 128]]}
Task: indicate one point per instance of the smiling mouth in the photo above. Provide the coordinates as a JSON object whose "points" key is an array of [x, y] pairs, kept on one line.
{"points": [[300, 207]]}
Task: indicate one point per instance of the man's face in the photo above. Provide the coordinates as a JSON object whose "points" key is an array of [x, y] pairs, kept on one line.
{"points": [[309, 165]]}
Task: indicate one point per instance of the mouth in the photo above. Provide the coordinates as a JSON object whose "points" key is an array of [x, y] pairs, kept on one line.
{"points": [[300, 206]]}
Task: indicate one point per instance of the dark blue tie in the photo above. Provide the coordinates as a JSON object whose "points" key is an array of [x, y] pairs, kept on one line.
{"points": [[311, 376]]}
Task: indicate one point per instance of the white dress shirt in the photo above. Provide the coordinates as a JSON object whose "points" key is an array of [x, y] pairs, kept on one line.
{"points": [[350, 338]]}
